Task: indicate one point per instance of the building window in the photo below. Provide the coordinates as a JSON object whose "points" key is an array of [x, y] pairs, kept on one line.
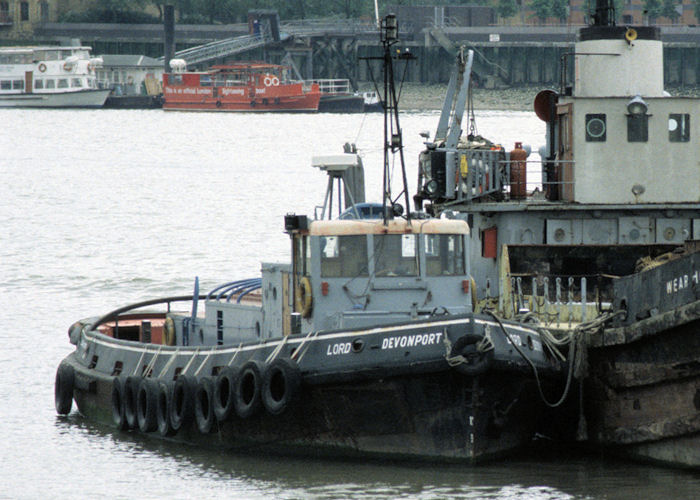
{"points": [[24, 11], [595, 128], [679, 127], [637, 128]]}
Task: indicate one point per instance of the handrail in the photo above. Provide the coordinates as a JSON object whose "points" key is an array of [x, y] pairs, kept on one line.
{"points": [[164, 300]]}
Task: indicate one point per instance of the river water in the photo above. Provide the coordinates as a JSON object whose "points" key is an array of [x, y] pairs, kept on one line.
{"points": [[99, 209]]}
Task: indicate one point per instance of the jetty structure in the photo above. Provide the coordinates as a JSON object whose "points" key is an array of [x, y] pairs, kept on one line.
{"points": [[596, 241], [364, 344]]}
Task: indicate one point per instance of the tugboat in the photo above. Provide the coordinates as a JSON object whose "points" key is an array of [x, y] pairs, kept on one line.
{"points": [[601, 246], [366, 344]]}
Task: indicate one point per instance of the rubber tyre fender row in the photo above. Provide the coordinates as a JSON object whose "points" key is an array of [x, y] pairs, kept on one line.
{"points": [[146, 405], [476, 362], [280, 385], [182, 402], [225, 393], [248, 388], [164, 398], [63, 388], [204, 406]]}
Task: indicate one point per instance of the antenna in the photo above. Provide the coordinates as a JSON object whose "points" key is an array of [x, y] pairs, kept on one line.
{"points": [[393, 141]]}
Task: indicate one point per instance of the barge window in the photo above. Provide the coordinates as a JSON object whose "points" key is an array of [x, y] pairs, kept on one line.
{"points": [[595, 127], [637, 128], [343, 256], [679, 127], [444, 254], [395, 255]]}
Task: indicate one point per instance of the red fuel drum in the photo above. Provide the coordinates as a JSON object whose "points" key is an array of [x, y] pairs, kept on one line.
{"points": [[518, 172]]}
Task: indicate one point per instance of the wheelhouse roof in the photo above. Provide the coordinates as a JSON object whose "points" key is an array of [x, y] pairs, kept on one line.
{"points": [[395, 226]]}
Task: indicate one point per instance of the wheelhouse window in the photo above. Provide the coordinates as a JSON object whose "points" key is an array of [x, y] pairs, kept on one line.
{"points": [[395, 255], [679, 127], [302, 255], [637, 128], [596, 129], [344, 256], [444, 254]]}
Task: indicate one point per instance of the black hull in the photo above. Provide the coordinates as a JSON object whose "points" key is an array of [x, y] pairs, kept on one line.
{"points": [[444, 416], [643, 390]]}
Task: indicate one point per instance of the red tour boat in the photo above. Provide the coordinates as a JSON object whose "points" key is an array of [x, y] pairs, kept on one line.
{"points": [[249, 86]]}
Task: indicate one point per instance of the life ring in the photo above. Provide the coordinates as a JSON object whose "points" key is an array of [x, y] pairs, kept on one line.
{"points": [[118, 405], [225, 393], [275, 81], [169, 331], [182, 402], [203, 407], [146, 405], [303, 297], [165, 428], [63, 388], [267, 81], [280, 385], [475, 362], [631, 34], [248, 385], [131, 387], [42, 67], [218, 104]]}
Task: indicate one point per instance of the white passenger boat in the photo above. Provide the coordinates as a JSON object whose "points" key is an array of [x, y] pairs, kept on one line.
{"points": [[49, 77]]}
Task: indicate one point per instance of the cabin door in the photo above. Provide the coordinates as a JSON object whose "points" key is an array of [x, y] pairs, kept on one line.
{"points": [[28, 82], [565, 153]]}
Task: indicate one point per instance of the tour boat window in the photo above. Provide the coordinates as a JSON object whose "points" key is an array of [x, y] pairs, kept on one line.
{"points": [[5, 85], [343, 256], [62, 83], [18, 84], [679, 127], [395, 255], [205, 80], [115, 76], [50, 84], [595, 127], [637, 128], [444, 254], [76, 83], [175, 79], [38, 84]]}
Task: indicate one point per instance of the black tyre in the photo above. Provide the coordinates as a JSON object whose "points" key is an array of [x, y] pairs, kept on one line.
{"points": [[280, 385], [63, 388], [204, 407], [118, 403], [164, 396], [146, 405], [225, 394], [182, 402], [248, 388], [475, 362], [131, 387]]}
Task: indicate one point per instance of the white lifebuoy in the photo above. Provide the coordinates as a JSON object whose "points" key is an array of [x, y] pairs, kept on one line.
{"points": [[42, 67], [275, 81], [268, 81]]}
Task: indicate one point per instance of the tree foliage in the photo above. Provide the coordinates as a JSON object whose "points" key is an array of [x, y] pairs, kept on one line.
{"points": [[652, 8], [541, 8], [668, 9], [507, 8]]}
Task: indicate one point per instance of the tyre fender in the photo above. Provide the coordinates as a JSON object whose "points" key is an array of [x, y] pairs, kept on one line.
{"points": [[131, 387], [280, 385], [164, 396], [63, 388], [248, 388], [182, 402], [146, 401], [225, 393], [203, 406], [475, 362], [118, 403]]}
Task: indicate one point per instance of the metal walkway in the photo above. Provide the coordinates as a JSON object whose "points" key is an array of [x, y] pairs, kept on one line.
{"points": [[304, 28]]}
